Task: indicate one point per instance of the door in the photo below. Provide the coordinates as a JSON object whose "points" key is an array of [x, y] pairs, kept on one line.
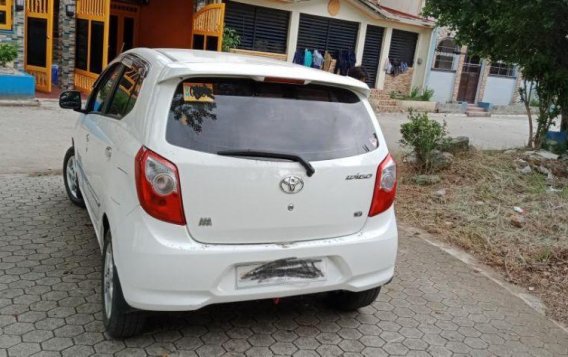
{"points": [[91, 42], [469, 79], [39, 42], [96, 139], [233, 196], [208, 28], [123, 29]]}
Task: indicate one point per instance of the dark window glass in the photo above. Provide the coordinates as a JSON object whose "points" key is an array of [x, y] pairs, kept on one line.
{"points": [[314, 121], [126, 93], [502, 70], [212, 43], [128, 33], [3, 18], [82, 44], [96, 55], [36, 43], [113, 37], [103, 91], [259, 28], [198, 42], [446, 54], [403, 47]]}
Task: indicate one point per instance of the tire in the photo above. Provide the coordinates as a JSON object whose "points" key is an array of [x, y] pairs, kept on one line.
{"points": [[350, 301], [120, 320], [70, 179]]}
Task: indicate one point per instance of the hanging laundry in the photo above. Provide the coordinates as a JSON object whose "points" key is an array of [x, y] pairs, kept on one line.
{"points": [[308, 58], [345, 61], [327, 61], [299, 57], [388, 67], [317, 60]]}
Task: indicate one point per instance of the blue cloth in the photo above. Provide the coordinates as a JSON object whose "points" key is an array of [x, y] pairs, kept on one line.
{"points": [[299, 57], [308, 58]]}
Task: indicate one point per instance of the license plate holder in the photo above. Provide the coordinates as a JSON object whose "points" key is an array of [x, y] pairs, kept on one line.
{"points": [[281, 271]]}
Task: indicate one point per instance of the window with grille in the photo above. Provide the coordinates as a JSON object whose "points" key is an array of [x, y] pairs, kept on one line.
{"points": [[372, 53], [259, 28], [5, 14], [326, 34], [502, 70], [446, 54], [403, 47]]}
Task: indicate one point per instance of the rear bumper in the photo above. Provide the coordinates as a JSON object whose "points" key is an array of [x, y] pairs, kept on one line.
{"points": [[161, 268]]}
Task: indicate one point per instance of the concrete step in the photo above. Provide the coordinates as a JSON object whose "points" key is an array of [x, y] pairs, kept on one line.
{"points": [[475, 109], [478, 114]]}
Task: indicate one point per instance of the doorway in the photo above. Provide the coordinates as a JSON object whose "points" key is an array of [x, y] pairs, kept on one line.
{"points": [[38, 43], [469, 79], [123, 28]]}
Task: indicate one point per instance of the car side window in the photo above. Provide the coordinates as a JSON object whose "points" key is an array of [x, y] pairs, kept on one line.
{"points": [[126, 93], [103, 92]]}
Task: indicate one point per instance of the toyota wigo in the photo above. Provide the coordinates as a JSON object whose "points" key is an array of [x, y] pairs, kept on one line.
{"points": [[213, 178]]}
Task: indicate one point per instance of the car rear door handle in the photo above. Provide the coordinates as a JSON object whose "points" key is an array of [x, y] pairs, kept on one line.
{"points": [[108, 152]]}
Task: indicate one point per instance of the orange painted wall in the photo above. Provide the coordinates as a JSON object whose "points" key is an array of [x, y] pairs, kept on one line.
{"points": [[166, 23]]}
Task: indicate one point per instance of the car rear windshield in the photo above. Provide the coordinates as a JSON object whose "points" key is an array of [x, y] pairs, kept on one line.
{"points": [[313, 121]]}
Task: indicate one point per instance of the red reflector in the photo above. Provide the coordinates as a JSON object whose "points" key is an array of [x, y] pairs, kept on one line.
{"points": [[157, 183], [385, 187]]}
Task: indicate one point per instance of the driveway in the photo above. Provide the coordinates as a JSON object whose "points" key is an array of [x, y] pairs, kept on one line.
{"points": [[50, 302], [35, 139]]}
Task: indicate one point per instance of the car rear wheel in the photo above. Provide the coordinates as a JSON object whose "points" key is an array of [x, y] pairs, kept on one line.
{"points": [[120, 320], [349, 301], [70, 178]]}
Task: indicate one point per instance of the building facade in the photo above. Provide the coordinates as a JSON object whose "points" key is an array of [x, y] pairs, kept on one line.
{"points": [[458, 76], [66, 43]]}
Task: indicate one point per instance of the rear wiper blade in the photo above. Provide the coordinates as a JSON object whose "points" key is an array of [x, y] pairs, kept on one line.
{"points": [[271, 155]]}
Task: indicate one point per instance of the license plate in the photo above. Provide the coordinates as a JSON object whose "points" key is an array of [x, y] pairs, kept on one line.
{"points": [[281, 271]]}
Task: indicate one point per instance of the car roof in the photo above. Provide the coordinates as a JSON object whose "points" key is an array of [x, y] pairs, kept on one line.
{"points": [[183, 62]]}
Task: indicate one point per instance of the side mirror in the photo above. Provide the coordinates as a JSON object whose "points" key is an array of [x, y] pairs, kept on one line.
{"points": [[70, 99]]}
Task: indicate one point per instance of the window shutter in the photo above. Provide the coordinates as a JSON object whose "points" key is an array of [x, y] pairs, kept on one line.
{"points": [[372, 52], [326, 34], [259, 28], [403, 46]]}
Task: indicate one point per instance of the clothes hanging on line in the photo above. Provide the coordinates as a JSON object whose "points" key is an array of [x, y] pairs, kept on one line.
{"points": [[308, 58], [317, 60], [327, 61], [395, 67]]}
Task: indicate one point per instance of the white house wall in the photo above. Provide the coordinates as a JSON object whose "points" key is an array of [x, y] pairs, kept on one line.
{"points": [[442, 83], [409, 6], [350, 10], [499, 90]]}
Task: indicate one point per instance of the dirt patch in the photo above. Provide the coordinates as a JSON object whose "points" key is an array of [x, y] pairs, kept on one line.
{"points": [[512, 221]]}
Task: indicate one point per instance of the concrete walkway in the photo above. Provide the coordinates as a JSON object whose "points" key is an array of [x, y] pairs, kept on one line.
{"points": [[497, 132]]}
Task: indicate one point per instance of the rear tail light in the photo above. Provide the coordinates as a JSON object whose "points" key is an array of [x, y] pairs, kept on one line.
{"points": [[157, 182], [385, 187]]}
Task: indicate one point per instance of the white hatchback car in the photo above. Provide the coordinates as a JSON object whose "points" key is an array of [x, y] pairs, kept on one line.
{"points": [[213, 178]]}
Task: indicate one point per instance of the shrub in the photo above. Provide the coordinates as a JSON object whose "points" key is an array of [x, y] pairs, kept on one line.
{"points": [[8, 53], [231, 39], [424, 95], [424, 136]]}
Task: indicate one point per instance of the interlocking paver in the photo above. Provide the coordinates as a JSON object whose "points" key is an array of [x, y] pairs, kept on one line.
{"points": [[50, 302]]}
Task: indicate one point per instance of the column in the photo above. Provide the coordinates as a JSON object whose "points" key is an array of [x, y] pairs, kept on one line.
{"points": [[385, 49], [360, 46], [293, 34]]}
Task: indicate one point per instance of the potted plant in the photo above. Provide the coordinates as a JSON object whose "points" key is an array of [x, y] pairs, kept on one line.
{"points": [[13, 83]]}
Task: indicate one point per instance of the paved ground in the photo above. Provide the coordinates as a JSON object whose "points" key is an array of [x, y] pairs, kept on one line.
{"points": [[497, 132], [50, 302], [35, 138]]}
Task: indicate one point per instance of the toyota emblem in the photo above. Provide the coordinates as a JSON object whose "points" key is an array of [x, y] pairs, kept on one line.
{"points": [[291, 184]]}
